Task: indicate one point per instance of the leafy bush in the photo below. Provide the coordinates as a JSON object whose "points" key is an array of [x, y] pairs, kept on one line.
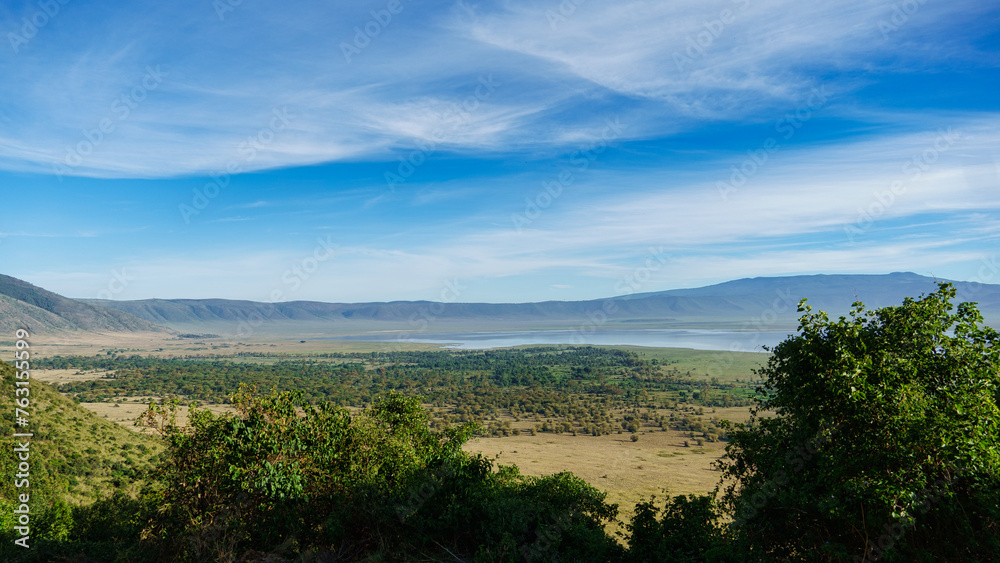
{"points": [[878, 437], [688, 530], [283, 476]]}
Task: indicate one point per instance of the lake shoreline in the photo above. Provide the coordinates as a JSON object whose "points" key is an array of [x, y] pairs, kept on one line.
{"points": [[697, 339]]}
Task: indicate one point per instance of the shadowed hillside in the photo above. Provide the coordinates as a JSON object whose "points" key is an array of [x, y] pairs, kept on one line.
{"points": [[23, 305]]}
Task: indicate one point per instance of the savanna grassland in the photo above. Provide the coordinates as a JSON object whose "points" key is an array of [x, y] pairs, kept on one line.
{"points": [[630, 420], [866, 438]]}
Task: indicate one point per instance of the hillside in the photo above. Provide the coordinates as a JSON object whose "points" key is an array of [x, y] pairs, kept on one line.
{"points": [[23, 305], [736, 301], [75, 454]]}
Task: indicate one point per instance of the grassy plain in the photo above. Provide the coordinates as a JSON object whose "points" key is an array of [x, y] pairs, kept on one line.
{"points": [[166, 345], [627, 470]]}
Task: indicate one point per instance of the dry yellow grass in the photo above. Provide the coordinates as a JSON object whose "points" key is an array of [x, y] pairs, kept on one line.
{"points": [[628, 471], [60, 376], [125, 413], [168, 345]]}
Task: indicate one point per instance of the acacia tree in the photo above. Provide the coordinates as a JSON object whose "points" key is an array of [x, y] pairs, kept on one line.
{"points": [[876, 437]]}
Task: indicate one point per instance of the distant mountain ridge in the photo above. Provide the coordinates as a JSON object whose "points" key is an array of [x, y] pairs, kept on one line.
{"points": [[763, 302], [764, 298], [23, 305], [835, 293]]}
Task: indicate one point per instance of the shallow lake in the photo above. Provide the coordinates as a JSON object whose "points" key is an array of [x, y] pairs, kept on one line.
{"points": [[699, 339]]}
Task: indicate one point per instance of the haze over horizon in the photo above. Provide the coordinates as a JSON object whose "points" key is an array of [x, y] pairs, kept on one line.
{"points": [[480, 151]]}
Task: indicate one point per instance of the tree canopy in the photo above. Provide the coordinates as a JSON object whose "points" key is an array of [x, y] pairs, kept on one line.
{"points": [[876, 437]]}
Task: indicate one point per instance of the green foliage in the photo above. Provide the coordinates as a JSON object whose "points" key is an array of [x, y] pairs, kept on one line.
{"points": [[292, 475], [688, 530], [27, 293], [284, 472], [876, 437], [539, 374], [579, 386], [67, 466]]}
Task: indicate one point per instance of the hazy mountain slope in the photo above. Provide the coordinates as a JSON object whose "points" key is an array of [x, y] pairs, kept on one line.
{"points": [[744, 299], [834, 293], [169, 311], [875, 288], [16, 314], [25, 305]]}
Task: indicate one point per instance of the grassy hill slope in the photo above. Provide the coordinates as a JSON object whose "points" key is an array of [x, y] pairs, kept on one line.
{"points": [[74, 453]]}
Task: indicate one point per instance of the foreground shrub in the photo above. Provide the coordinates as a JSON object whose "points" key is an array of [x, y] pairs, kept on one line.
{"points": [[878, 437], [285, 477], [688, 529]]}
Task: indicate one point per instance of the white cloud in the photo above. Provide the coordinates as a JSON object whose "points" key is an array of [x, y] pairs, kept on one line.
{"points": [[709, 59], [222, 79], [793, 217]]}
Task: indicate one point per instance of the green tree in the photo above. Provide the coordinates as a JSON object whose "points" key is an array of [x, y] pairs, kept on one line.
{"points": [[876, 438], [285, 477], [687, 530]]}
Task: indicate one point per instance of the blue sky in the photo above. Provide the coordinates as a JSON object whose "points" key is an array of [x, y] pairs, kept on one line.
{"points": [[493, 151]]}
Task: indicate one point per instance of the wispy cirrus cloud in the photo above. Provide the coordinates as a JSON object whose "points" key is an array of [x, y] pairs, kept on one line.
{"points": [[664, 67], [617, 127], [795, 216]]}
